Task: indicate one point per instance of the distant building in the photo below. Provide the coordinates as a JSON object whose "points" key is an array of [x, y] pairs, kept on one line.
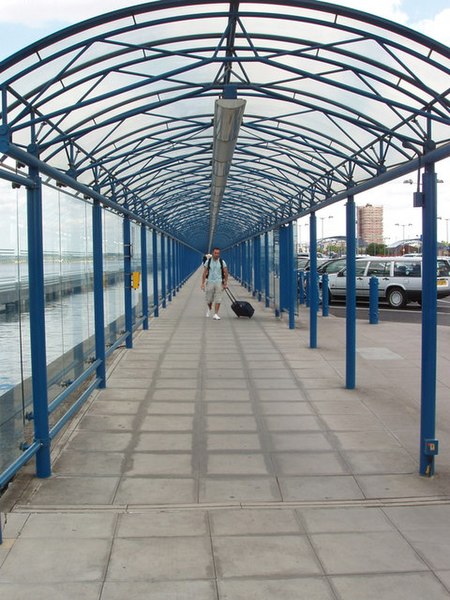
{"points": [[370, 224]]}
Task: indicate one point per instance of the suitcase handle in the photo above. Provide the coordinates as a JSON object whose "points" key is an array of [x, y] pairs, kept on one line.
{"points": [[230, 294]]}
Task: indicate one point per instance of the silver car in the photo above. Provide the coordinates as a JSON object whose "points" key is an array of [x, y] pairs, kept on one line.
{"points": [[399, 279]]}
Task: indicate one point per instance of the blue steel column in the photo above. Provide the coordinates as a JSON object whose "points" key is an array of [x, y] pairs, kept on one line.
{"points": [[169, 270], [313, 291], [127, 280], [174, 269], [37, 325], [255, 267], [350, 324], [266, 269], [244, 264], [144, 275], [155, 273], [258, 278], [292, 276], [163, 271], [282, 267], [429, 322], [99, 310]]}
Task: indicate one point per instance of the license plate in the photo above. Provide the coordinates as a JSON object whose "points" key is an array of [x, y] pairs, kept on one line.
{"points": [[442, 282]]}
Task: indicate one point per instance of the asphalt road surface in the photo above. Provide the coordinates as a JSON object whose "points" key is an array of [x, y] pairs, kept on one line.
{"points": [[411, 314]]}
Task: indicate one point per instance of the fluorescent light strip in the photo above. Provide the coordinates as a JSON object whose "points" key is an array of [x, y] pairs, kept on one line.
{"points": [[227, 121]]}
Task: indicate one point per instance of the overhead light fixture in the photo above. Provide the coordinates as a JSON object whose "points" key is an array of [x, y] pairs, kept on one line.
{"points": [[228, 115]]}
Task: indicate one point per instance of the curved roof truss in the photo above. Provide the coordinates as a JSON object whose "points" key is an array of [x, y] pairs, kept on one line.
{"points": [[125, 102]]}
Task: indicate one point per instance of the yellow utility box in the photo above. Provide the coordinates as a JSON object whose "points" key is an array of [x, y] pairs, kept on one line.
{"points": [[135, 279]]}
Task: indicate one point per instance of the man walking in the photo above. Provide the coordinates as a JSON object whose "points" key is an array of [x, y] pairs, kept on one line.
{"points": [[215, 274]]}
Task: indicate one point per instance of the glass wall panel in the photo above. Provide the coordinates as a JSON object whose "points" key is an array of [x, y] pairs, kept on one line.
{"points": [[160, 240], [15, 364], [149, 235], [68, 280], [274, 260], [113, 279], [136, 265]]}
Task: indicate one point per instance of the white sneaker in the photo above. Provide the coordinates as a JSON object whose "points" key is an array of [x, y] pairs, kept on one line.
{"points": [[208, 313], [216, 317]]}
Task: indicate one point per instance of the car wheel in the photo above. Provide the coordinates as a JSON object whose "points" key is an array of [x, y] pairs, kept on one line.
{"points": [[330, 298], [396, 298]]}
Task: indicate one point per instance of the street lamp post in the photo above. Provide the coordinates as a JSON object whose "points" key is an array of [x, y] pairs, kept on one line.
{"points": [[446, 227], [403, 225], [323, 219]]}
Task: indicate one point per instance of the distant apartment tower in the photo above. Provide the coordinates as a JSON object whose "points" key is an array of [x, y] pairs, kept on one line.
{"points": [[370, 224]]}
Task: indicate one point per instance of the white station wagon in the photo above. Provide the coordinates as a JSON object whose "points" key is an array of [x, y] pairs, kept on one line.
{"points": [[399, 279]]}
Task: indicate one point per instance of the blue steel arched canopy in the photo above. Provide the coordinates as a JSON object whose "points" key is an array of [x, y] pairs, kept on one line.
{"points": [[124, 103]]}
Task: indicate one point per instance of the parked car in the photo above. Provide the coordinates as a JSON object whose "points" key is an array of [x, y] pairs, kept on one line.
{"points": [[399, 279]]}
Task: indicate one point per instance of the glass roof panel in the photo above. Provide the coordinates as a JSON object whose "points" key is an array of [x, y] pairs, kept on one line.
{"points": [[133, 91]]}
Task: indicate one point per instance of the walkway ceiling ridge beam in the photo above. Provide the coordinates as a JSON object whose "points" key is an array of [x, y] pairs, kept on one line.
{"points": [[32, 161]]}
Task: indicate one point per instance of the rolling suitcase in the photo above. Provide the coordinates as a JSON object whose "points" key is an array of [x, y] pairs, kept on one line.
{"points": [[240, 307]]}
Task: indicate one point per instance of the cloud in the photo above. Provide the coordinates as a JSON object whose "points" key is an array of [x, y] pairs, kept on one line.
{"points": [[40, 13], [436, 28]]}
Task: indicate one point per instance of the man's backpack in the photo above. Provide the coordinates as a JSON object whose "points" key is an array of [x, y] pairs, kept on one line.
{"points": [[208, 266]]}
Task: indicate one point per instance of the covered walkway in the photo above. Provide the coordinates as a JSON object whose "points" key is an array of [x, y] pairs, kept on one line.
{"points": [[226, 460]]}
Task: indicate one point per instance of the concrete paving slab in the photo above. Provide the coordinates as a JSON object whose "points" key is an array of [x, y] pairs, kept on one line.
{"points": [[233, 441], [420, 517], [433, 546], [344, 520], [166, 590], [394, 486], [393, 461], [221, 395], [264, 556], [107, 422], [254, 522], [90, 463], [173, 384], [300, 441], [133, 395], [340, 407], [231, 423], [414, 586], [320, 488], [292, 423], [238, 464], [313, 588], [306, 463], [171, 408], [152, 490], [114, 407], [70, 525], [286, 408], [282, 395], [167, 423], [444, 578], [229, 408], [160, 464], [153, 559], [76, 490], [367, 552], [163, 524], [248, 489], [101, 441], [39, 591], [164, 441], [71, 560], [183, 395]]}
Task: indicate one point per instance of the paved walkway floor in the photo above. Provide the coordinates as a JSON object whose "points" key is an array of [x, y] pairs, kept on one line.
{"points": [[226, 461]]}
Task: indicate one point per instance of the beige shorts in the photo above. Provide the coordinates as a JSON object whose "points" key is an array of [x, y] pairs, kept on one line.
{"points": [[213, 293]]}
